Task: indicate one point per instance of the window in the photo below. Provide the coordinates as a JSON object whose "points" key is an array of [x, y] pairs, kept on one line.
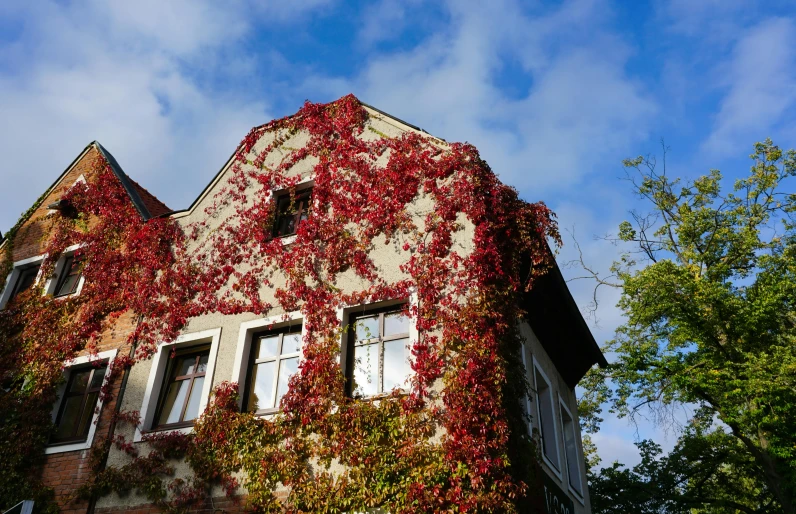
{"points": [[377, 354], [78, 404], [69, 277], [571, 450], [26, 279], [547, 426], [77, 409], [182, 391], [273, 359], [526, 402], [179, 383], [291, 209]]}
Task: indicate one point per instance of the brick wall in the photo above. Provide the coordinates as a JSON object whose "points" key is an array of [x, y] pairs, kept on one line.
{"points": [[31, 239], [214, 506], [65, 472]]}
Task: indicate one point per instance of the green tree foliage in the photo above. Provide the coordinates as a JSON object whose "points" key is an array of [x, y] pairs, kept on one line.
{"points": [[709, 296]]}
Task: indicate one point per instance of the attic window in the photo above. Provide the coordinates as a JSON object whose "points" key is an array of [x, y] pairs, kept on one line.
{"points": [[292, 207]]}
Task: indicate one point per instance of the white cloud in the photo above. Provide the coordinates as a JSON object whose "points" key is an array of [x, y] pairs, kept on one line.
{"points": [[761, 87], [116, 73], [581, 106], [715, 20]]}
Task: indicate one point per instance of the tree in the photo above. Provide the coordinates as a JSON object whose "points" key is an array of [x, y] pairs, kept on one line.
{"points": [[708, 293]]}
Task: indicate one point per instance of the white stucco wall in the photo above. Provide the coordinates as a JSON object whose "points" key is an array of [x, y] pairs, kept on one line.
{"points": [[388, 258], [536, 355]]}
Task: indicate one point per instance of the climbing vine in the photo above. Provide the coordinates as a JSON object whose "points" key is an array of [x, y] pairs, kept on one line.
{"points": [[468, 247]]}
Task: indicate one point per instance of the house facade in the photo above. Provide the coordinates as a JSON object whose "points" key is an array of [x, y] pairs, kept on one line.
{"points": [[353, 316]]}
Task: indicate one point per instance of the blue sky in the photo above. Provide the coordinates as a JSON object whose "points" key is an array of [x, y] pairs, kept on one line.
{"points": [[554, 94]]}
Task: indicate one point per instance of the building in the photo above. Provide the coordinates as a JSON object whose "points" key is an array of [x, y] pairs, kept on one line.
{"points": [[364, 285]]}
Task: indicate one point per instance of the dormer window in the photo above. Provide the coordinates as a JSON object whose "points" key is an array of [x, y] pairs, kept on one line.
{"points": [[291, 209]]}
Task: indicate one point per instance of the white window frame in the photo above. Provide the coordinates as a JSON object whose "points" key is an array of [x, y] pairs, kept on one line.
{"points": [[305, 183], [17, 268], [344, 315], [52, 282], [108, 355], [527, 400], [577, 492], [556, 469], [240, 367], [157, 375]]}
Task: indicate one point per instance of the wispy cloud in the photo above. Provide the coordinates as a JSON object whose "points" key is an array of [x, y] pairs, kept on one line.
{"points": [[579, 107], [141, 77], [760, 80]]}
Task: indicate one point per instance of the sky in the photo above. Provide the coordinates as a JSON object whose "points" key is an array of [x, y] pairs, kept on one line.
{"points": [[553, 94]]}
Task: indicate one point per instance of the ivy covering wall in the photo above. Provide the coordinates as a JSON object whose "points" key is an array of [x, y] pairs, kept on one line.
{"points": [[455, 442]]}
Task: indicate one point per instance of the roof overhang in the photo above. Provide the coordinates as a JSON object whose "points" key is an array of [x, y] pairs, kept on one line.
{"points": [[558, 323]]}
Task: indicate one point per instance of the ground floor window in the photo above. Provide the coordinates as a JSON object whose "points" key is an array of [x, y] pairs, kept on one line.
{"points": [[182, 390], [273, 359], [78, 404], [377, 355]]}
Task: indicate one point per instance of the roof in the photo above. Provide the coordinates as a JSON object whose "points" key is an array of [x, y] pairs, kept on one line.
{"points": [[147, 205], [557, 322], [145, 202]]}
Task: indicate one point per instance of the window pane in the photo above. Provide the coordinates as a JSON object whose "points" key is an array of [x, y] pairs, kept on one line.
{"points": [[185, 365], [571, 449], [291, 343], [366, 369], [173, 403], [202, 368], [70, 277], [547, 419], [261, 386], [69, 418], [367, 328], [96, 379], [88, 415], [193, 402], [396, 363], [79, 381], [268, 346], [26, 279], [396, 323], [287, 225], [287, 368]]}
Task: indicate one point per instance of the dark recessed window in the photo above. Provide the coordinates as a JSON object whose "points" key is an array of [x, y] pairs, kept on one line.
{"points": [[291, 210], [182, 389], [69, 277], [77, 405], [377, 353], [544, 403], [25, 280], [571, 451], [274, 358]]}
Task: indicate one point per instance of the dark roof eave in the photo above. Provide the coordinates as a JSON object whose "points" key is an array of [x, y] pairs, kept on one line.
{"points": [[125, 181], [559, 325]]}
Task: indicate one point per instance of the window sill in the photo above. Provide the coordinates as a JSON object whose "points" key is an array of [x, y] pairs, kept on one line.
{"points": [[266, 413], [287, 240], [65, 296], [142, 435], [380, 396], [552, 467], [577, 495], [67, 446]]}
